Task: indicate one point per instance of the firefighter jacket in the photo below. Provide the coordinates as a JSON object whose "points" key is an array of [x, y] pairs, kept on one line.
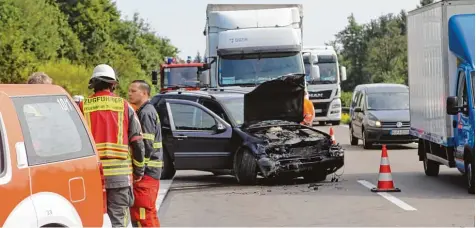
{"points": [[115, 127], [150, 123]]}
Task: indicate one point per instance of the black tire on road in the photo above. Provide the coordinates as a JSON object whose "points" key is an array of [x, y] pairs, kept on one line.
{"points": [[432, 168], [353, 140], [335, 123], [245, 167], [469, 172], [168, 170], [367, 144]]}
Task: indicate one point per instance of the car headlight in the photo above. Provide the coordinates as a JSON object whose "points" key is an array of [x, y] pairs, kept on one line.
{"points": [[374, 123]]}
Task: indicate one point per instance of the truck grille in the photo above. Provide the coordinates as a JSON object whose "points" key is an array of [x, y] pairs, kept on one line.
{"points": [[323, 106], [326, 94], [394, 124]]}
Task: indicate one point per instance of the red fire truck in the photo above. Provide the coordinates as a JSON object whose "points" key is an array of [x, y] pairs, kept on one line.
{"points": [[182, 76]]}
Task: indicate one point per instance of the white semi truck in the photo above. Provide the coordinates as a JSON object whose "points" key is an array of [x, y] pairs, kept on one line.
{"points": [[252, 43], [324, 91]]}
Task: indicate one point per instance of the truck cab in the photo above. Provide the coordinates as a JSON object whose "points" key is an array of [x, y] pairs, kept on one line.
{"points": [[324, 90], [183, 76], [253, 43]]}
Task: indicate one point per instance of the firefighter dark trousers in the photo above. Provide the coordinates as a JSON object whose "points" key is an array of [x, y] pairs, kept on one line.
{"points": [[144, 211], [119, 200]]}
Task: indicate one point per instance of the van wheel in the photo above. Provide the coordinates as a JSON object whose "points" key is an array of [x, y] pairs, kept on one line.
{"points": [[367, 144], [168, 171], [469, 172], [431, 167], [244, 166], [353, 140]]}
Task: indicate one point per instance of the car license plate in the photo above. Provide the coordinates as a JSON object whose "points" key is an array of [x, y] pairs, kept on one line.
{"points": [[318, 110], [400, 132]]}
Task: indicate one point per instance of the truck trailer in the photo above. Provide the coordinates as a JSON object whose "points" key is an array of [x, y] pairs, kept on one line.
{"points": [[325, 92], [253, 43], [441, 81]]}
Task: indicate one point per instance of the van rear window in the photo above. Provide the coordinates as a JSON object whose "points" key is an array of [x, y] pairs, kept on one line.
{"points": [[52, 129]]}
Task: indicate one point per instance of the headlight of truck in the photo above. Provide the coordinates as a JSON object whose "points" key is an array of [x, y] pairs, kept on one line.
{"points": [[336, 105]]}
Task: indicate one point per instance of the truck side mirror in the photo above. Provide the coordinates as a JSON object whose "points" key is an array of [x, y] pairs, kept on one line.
{"points": [[343, 73], [315, 74], [452, 105], [204, 78], [155, 77]]}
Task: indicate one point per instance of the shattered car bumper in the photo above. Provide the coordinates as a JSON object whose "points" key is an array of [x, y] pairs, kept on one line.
{"points": [[300, 161]]}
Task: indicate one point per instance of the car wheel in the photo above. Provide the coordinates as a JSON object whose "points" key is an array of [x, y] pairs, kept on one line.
{"points": [[168, 171], [244, 167], [314, 175], [367, 144], [469, 173], [353, 140], [431, 167]]}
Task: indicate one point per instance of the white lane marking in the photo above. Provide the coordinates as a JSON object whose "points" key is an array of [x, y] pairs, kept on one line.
{"points": [[163, 190], [389, 197]]}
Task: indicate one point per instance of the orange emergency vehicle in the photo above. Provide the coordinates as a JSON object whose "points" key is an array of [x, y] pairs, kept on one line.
{"points": [[174, 76], [50, 175]]}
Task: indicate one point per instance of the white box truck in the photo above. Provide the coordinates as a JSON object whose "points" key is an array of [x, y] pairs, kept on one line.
{"points": [[325, 91], [252, 43], [441, 81]]}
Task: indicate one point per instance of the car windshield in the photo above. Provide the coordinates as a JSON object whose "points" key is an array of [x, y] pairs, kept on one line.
{"points": [[327, 70], [388, 101], [235, 107], [180, 76], [253, 69]]}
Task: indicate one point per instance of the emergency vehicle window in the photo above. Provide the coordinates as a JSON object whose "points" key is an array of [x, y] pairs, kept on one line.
{"points": [[52, 129], [191, 118], [3, 162]]}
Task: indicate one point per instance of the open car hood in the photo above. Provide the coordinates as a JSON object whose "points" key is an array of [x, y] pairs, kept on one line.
{"points": [[278, 99]]}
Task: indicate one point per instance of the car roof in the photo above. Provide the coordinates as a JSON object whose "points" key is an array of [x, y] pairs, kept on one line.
{"points": [[211, 93], [13, 90], [381, 87]]}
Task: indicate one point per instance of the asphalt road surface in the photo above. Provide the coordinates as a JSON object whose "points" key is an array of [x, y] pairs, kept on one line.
{"points": [[201, 199]]}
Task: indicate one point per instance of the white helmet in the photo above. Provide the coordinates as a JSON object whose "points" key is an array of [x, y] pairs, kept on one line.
{"points": [[105, 73]]}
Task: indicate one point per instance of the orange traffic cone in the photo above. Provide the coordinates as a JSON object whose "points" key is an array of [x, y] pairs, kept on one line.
{"points": [[331, 133], [385, 181]]}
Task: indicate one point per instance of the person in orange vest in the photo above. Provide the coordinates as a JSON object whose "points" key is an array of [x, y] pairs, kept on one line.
{"points": [[308, 111], [144, 211], [115, 127]]}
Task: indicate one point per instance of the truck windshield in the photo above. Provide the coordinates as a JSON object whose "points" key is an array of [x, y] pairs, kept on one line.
{"points": [[180, 76], [388, 101], [327, 70], [253, 69]]}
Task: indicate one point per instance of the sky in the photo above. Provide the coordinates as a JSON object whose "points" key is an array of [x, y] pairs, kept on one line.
{"points": [[183, 21]]}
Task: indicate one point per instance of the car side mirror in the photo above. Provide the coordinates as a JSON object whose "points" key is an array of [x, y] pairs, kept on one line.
{"points": [[314, 74], [155, 77], [219, 127], [343, 73], [359, 109], [452, 105]]}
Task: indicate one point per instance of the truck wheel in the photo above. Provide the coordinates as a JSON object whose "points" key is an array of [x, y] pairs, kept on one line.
{"points": [[469, 173], [244, 166], [353, 140], [168, 171], [431, 167]]}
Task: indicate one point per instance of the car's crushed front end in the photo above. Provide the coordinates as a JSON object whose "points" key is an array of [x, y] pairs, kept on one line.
{"points": [[290, 148]]}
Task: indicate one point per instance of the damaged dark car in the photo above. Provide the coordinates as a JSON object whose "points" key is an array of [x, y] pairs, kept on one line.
{"points": [[245, 134]]}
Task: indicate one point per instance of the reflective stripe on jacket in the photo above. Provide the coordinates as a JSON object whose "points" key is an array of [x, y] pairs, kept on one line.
{"points": [[113, 124], [150, 123]]}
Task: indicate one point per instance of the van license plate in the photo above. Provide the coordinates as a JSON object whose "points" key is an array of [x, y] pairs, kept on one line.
{"points": [[400, 132]]}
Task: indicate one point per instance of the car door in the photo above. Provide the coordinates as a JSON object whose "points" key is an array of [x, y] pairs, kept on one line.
{"points": [[17, 209], [63, 165], [200, 137], [358, 117]]}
